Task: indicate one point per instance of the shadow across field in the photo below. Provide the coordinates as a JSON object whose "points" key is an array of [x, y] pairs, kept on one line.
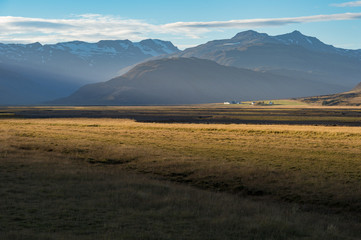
{"points": [[52, 196]]}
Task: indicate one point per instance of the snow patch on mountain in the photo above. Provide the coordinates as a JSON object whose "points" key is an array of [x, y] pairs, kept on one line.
{"points": [[166, 46], [253, 38], [124, 45], [84, 49], [146, 50]]}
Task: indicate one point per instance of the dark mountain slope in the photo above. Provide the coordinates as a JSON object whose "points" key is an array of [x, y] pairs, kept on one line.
{"points": [[293, 51], [191, 80]]}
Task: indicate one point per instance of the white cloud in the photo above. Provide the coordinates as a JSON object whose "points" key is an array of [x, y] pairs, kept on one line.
{"points": [[95, 27], [86, 27], [348, 4]]}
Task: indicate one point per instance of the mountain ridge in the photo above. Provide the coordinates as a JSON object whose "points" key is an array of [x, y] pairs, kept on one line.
{"points": [[91, 61], [291, 51], [299, 58], [250, 37], [67, 66], [189, 81]]}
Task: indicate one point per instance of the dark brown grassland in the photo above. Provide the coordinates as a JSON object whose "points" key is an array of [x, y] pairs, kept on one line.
{"points": [[181, 172]]}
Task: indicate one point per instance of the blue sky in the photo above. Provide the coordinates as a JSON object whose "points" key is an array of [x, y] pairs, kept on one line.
{"points": [[185, 23]]}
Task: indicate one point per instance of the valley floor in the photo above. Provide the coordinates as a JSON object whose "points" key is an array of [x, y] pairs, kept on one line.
{"points": [[289, 112], [82, 178]]}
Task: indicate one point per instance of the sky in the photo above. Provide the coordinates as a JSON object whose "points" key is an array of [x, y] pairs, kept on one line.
{"points": [[185, 23]]}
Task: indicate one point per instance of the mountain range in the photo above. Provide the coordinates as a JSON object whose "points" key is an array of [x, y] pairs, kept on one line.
{"points": [[34, 73], [249, 66], [252, 38], [191, 80], [291, 52]]}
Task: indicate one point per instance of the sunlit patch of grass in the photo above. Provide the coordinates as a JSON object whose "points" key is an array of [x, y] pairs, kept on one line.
{"points": [[5, 114], [283, 102], [304, 164]]}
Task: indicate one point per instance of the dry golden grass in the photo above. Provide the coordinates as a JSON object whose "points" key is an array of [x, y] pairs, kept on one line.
{"points": [[48, 191], [312, 165], [49, 197]]}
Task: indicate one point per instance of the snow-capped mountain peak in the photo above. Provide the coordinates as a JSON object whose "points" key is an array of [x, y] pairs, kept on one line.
{"points": [[312, 43], [85, 50], [297, 37], [89, 61]]}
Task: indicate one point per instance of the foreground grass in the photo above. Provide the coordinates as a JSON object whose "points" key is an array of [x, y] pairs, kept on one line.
{"points": [[51, 196], [310, 166], [306, 164]]}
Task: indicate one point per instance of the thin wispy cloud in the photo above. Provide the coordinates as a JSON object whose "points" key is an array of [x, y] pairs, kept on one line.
{"points": [[348, 4], [90, 27], [264, 22], [94, 27], [40, 24]]}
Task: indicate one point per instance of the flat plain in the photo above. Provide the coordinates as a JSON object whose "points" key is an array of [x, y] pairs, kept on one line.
{"points": [[290, 112], [296, 174]]}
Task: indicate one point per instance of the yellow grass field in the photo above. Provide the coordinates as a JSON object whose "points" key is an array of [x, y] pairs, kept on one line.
{"points": [[318, 168], [305, 164]]}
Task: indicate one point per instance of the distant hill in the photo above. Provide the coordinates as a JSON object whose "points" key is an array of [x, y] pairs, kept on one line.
{"points": [[292, 52], [191, 80], [350, 98], [44, 72]]}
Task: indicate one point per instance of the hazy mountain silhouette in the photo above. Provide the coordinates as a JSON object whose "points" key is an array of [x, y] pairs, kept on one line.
{"points": [[192, 80], [23, 86], [32, 73], [90, 61]]}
